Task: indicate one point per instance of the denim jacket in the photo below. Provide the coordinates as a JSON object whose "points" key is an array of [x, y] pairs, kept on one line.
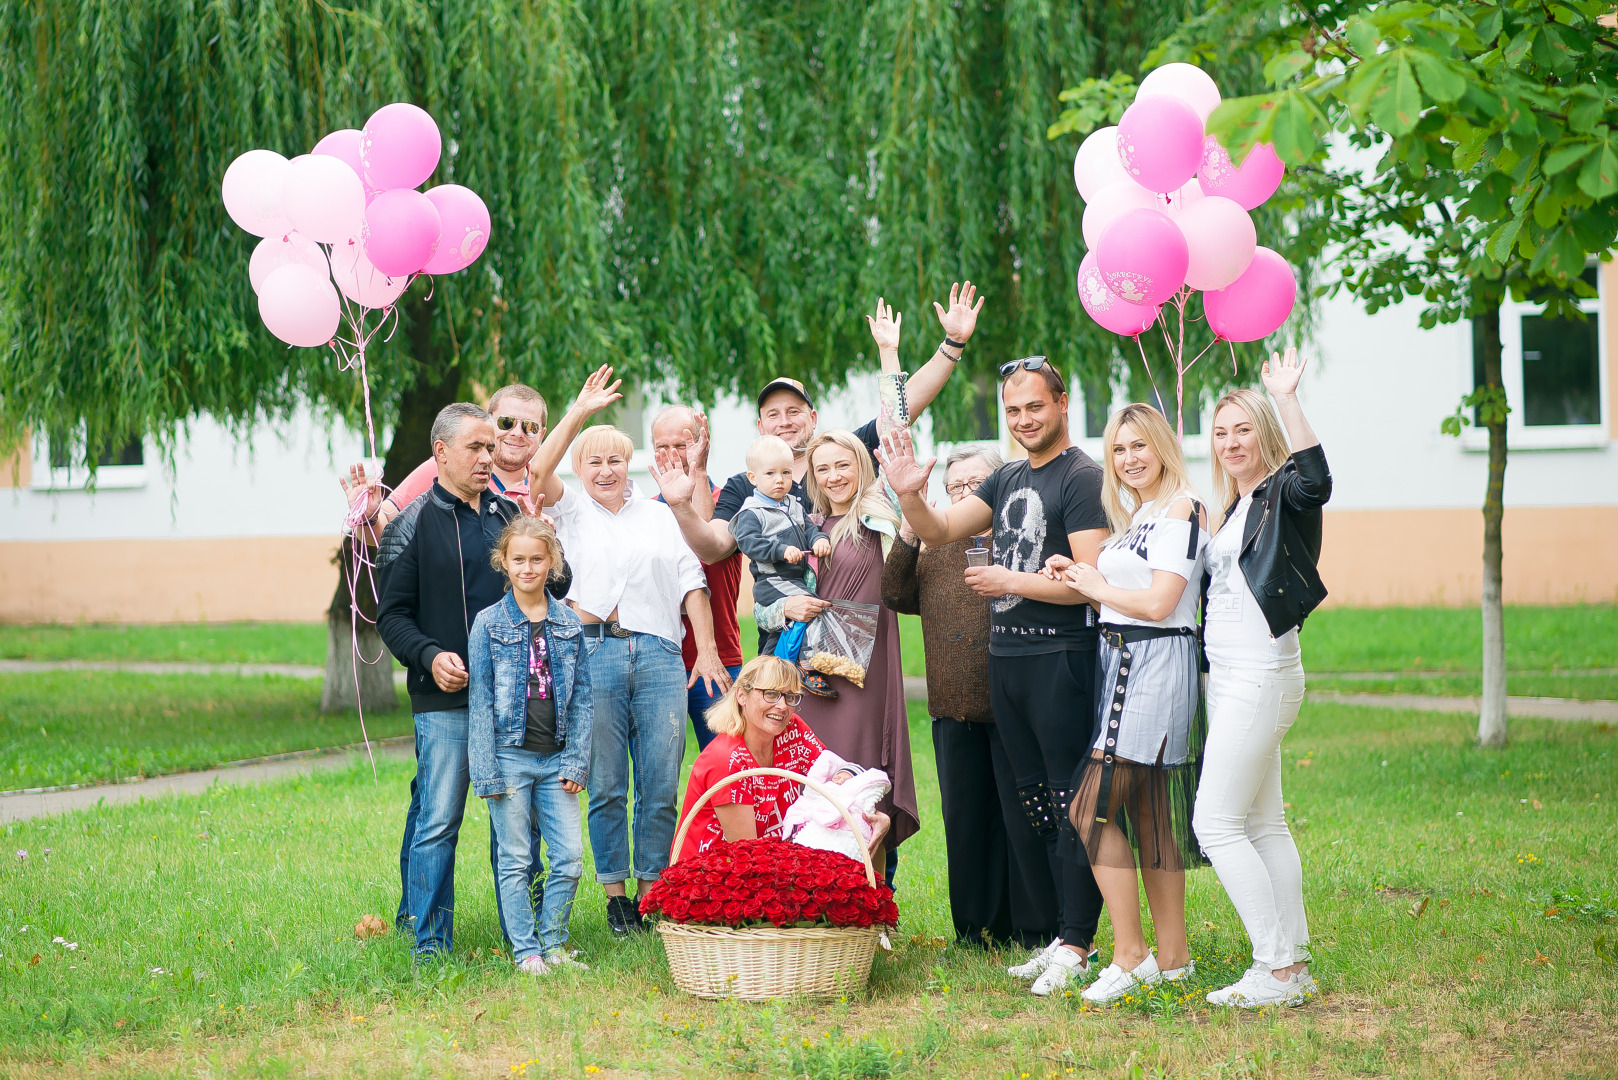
{"points": [[498, 710]]}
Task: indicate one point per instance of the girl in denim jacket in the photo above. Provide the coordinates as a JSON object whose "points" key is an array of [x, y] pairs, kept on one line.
{"points": [[528, 740]]}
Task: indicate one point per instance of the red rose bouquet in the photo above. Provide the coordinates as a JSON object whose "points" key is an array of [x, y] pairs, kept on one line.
{"points": [[769, 882]]}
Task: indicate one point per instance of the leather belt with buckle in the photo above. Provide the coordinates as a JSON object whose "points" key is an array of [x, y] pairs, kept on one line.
{"points": [[603, 629]]}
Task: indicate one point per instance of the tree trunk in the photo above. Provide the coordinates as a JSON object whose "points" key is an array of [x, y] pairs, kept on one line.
{"points": [[367, 684], [1492, 719]]}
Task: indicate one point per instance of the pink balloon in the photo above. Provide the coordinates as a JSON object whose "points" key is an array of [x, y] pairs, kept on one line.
{"points": [[399, 147], [1255, 304], [1249, 185], [360, 281], [324, 198], [1187, 82], [1143, 257], [299, 305], [1119, 316], [1096, 165], [1160, 142], [401, 227], [464, 231], [1111, 203], [274, 252], [344, 145], [1221, 240], [252, 192]]}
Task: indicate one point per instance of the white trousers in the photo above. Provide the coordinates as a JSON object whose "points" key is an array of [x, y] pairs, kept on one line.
{"points": [[1238, 818]]}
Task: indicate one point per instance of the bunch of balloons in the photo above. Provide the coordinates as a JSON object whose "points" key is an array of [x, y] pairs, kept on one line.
{"points": [[346, 217], [1166, 214]]}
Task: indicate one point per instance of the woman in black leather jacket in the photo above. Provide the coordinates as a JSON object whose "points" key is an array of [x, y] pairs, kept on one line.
{"points": [[1262, 583]]}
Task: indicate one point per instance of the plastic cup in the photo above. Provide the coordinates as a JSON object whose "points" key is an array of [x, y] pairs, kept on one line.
{"points": [[977, 556]]}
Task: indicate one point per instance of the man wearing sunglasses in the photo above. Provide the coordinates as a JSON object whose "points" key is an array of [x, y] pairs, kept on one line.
{"points": [[1042, 643]]}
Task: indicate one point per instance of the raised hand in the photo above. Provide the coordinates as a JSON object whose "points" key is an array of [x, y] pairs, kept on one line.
{"points": [[961, 317], [696, 451], [360, 488], [885, 326], [1283, 371], [905, 475], [600, 390], [673, 476]]}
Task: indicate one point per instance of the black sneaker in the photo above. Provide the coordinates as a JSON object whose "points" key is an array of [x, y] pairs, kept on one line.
{"points": [[817, 684], [623, 916]]}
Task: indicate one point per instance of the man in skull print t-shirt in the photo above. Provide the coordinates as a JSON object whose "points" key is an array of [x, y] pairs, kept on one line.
{"points": [[1034, 511]]}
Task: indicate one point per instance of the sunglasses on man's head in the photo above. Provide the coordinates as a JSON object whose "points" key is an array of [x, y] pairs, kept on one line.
{"points": [[1027, 363], [506, 423]]}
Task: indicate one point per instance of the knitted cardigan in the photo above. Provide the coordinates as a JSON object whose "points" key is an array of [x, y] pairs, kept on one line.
{"points": [[930, 582]]}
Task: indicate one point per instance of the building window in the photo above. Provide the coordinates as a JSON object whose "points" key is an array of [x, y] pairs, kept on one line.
{"points": [[62, 456]]}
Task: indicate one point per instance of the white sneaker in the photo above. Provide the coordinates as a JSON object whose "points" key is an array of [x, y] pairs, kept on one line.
{"points": [[560, 961], [1223, 996], [1065, 966], [532, 965], [1176, 974], [1114, 982], [1262, 990], [1035, 965]]}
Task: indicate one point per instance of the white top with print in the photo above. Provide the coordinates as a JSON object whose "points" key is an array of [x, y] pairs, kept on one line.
{"points": [[1155, 542], [1237, 634]]}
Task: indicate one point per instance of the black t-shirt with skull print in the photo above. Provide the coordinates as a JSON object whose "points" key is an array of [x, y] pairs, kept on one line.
{"points": [[1034, 511]]}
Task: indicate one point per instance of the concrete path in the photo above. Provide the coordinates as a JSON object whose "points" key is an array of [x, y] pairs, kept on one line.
{"points": [[31, 804]]}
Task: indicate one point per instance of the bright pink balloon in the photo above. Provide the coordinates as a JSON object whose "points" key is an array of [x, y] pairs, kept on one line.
{"points": [[1143, 257], [1187, 82], [1221, 240], [1119, 316], [344, 145], [324, 198], [399, 147], [252, 192], [361, 282], [1160, 142], [299, 305], [401, 227], [1096, 165], [1111, 203], [464, 231], [1255, 304], [1249, 185], [274, 252]]}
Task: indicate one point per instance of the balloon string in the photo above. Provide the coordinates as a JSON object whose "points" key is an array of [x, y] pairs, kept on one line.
{"points": [[1201, 354], [1145, 364], [1233, 371]]}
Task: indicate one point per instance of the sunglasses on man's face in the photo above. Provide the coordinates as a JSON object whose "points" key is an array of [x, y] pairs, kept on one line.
{"points": [[1027, 363], [506, 423]]}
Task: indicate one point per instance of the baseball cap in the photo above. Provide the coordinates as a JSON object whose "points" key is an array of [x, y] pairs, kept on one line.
{"points": [[784, 383]]}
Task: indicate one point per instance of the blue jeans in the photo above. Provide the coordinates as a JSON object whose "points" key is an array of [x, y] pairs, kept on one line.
{"points": [[637, 685], [697, 702], [401, 918], [535, 804]]}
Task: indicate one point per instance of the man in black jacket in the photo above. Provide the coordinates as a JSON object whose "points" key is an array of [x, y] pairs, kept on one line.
{"points": [[436, 577]]}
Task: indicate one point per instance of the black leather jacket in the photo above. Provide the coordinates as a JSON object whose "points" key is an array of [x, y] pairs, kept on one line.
{"points": [[1281, 540]]}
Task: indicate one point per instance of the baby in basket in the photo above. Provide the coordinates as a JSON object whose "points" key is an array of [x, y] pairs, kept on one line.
{"points": [[814, 821]]}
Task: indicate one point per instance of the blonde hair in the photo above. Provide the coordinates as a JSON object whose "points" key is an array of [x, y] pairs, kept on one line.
{"points": [[1122, 501], [767, 672], [765, 450], [535, 529], [1272, 441], [870, 501], [601, 438]]}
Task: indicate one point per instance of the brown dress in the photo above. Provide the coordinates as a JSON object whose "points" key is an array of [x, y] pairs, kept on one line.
{"points": [[868, 726]]}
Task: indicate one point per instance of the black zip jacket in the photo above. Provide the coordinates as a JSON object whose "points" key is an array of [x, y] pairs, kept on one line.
{"points": [[1281, 540], [424, 609]]}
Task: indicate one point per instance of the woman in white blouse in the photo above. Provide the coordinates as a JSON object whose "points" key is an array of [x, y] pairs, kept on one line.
{"points": [[632, 576], [1136, 791]]}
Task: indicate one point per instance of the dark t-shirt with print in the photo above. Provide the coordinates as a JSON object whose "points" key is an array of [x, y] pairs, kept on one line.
{"points": [[1034, 511]]}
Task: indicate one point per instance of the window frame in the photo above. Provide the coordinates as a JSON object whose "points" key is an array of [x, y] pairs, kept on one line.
{"points": [[46, 477]]}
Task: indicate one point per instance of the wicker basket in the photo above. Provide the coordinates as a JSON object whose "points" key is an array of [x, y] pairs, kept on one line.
{"points": [[769, 961]]}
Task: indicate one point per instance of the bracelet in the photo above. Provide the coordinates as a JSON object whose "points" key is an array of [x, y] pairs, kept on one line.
{"points": [[952, 342], [952, 359]]}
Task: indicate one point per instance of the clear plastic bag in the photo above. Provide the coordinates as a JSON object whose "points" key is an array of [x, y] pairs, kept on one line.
{"points": [[840, 640]]}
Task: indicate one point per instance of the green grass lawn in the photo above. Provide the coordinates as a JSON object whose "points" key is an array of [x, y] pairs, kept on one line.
{"points": [[1579, 685], [213, 643], [1461, 903], [78, 727]]}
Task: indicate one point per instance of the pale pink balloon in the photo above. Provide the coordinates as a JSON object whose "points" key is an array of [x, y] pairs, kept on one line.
{"points": [[1256, 304], [1187, 82], [1119, 316], [1096, 165], [1142, 257], [399, 147], [1175, 203], [1221, 240], [274, 252], [1111, 203], [1160, 142], [1260, 174], [300, 306], [401, 227], [464, 231], [362, 282], [323, 198], [252, 192], [344, 145]]}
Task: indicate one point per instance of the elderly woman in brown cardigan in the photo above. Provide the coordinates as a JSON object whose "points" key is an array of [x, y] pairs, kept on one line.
{"points": [[1000, 887]]}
